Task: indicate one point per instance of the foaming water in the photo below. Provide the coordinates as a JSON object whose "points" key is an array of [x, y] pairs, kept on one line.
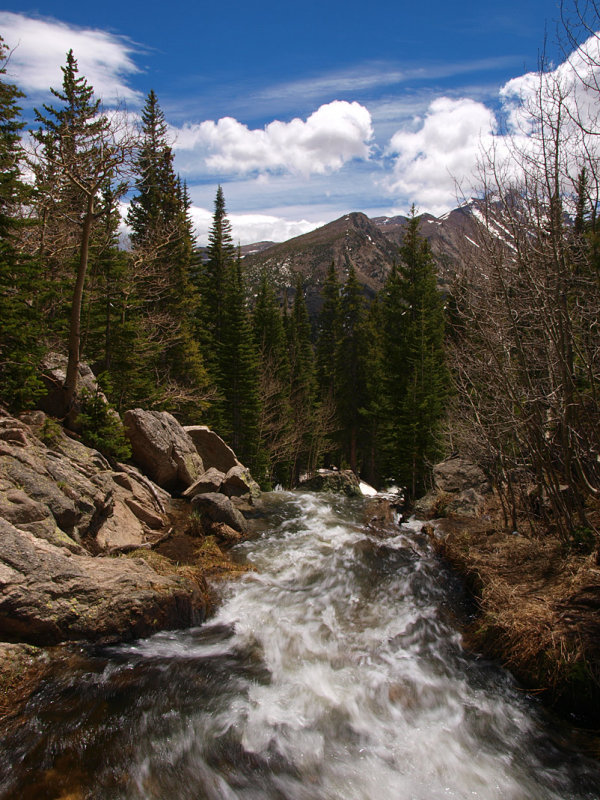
{"points": [[333, 671]]}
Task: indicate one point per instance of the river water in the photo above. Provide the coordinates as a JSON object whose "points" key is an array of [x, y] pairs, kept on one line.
{"points": [[332, 672]]}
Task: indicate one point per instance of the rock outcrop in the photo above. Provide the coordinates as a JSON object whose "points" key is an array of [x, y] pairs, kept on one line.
{"points": [[460, 489], [54, 487], [49, 595], [162, 448], [67, 515], [239, 482], [210, 481], [457, 474]]}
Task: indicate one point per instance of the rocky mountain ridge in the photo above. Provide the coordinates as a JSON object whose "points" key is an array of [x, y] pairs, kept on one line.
{"points": [[371, 247]]}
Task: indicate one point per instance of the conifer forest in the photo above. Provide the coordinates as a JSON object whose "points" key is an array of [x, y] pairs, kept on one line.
{"points": [[500, 363]]}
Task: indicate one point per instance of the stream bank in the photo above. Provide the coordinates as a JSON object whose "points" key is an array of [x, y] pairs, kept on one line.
{"points": [[538, 597]]}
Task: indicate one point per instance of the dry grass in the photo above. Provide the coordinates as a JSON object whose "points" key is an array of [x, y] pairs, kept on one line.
{"points": [[539, 609]]}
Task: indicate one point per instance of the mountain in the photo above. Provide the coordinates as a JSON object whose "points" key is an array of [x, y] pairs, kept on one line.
{"points": [[450, 236], [371, 246], [351, 240]]}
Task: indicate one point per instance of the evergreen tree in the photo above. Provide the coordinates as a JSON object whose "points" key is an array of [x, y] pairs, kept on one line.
{"points": [[152, 213], [220, 256], [239, 375], [82, 151], [328, 334], [350, 369], [276, 429], [373, 413], [164, 258], [20, 348], [302, 385], [416, 378]]}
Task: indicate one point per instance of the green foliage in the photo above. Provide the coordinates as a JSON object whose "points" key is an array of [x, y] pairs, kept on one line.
{"points": [[163, 302], [351, 369], [101, 426], [239, 374], [20, 345], [276, 431], [51, 432], [416, 379], [328, 334]]}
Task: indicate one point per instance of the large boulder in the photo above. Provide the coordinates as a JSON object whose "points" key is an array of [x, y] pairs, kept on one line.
{"points": [[211, 481], [218, 508], [211, 448], [331, 480], [162, 448], [54, 374], [239, 483], [458, 474], [49, 595], [54, 487]]}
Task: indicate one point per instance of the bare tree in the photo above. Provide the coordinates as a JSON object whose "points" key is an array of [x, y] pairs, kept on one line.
{"points": [[528, 354]]}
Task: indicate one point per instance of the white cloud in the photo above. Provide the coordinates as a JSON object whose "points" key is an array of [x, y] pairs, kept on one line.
{"points": [[39, 48], [245, 228], [248, 228], [574, 85], [334, 134], [436, 156], [432, 161]]}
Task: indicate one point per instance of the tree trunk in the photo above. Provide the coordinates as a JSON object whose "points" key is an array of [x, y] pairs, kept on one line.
{"points": [[70, 386]]}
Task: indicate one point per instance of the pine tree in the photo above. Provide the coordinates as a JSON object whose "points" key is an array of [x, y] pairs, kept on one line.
{"points": [[20, 348], [164, 258], [302, 385], [276, 429], [350, 369], [417, 381], [328, 334], [82, 151], [220, 256], [239, 374]]}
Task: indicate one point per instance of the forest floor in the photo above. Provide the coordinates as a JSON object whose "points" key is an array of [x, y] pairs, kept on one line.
{"points": [[539, 607]]}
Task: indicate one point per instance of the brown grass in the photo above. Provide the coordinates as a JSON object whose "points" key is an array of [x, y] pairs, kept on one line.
{"points": [[539, 609]]}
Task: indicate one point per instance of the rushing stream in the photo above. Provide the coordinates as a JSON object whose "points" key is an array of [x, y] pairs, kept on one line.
{"points": [[333, 672]]}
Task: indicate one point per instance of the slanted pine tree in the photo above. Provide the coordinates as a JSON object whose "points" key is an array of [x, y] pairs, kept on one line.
{"points": [[20, 347], [81, 150], [416, 378]]}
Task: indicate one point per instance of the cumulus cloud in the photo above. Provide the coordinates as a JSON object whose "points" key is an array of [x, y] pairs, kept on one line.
{"points": [[436, 156], [248, 228], [39, 47], [334, 134], [431, 161], [245, 228], [574, 84]]}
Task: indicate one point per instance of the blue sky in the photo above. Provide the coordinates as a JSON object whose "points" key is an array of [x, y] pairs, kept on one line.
{"points": [[302, 112]]}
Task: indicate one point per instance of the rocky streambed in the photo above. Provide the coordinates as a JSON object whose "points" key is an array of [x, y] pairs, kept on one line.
{"points": [[101, 552]]}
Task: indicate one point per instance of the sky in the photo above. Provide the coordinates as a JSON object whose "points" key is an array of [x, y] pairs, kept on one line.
{"points": [[302, 112]]}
